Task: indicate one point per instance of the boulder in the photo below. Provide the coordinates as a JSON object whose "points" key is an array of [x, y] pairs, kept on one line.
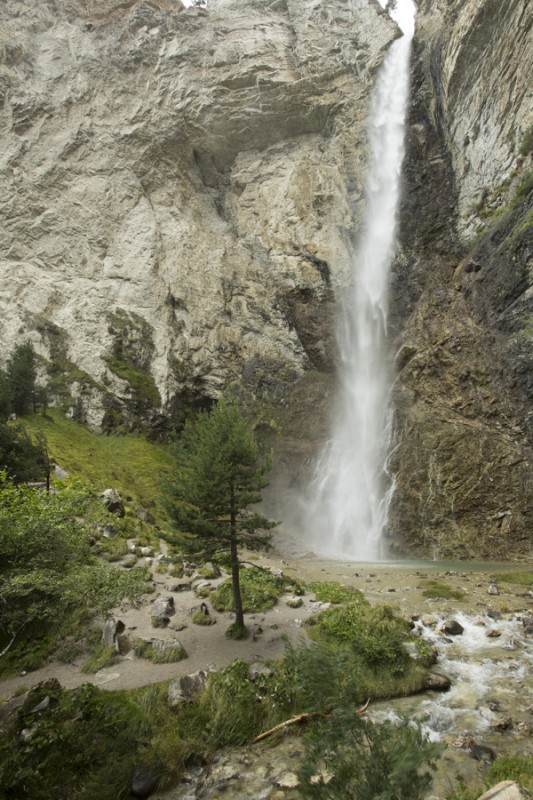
{"points": [[180, 586], [493, 589], [257, 669], [527, 622], [145, 516], [111, 630], [506, 790], [294, 602], [109, 531], [162, 645], [162, 609], [437, 682], [184, 690], [112, 500], [452, 628]]}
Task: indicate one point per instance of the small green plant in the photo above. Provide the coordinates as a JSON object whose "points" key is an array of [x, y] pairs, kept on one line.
{"points": [[237, 632], [512, 768], [335, 592], [441, 591], [199, 618], [527, 142], [100, 658], [518, 578], [260, 591], [347, 757], [145, 649]]}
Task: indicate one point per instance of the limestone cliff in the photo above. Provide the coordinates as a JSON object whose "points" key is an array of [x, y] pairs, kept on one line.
{"points": [[180, 192]]}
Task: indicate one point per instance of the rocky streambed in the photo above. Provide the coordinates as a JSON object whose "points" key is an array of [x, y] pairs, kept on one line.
{"points": [[482, 637]]}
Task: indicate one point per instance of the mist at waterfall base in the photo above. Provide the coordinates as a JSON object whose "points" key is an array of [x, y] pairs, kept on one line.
{"points": [[347, 504]]}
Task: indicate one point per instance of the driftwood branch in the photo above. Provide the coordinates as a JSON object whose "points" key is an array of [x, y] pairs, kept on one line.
{"points": [[305, 717]]}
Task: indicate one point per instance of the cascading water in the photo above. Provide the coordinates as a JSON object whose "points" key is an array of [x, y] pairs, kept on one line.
{"points": [[351, 491]]}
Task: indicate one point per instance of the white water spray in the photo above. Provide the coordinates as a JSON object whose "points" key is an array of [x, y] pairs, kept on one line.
{"points": [[352, 489]]}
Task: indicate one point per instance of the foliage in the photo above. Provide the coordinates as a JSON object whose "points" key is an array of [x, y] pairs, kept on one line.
{"points": [[48, 572], [21, 376], [129, 463], [519, 578], [348, 758], [82, 746], [525, 187], [527, 142], [199, 618], [145, 649], [219, 476], [375, 633], [334, 592], [144, 390], [438, 590], [102, 656], [512, 768], [260, 591], [21, 458]]}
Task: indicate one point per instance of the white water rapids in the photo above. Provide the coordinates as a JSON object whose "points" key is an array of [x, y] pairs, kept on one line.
{"points": [[349, 497]]}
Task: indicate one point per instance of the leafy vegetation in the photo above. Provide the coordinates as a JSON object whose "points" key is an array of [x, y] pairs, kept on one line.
{"points": [[170, 655], [512, 768], [334, 592], [518, 578], [347, 757], [260, 591], [50, 578], [129, 463], [441, 591], [219, 475]]}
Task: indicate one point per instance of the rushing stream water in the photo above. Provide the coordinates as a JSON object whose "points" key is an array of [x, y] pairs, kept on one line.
{"points": [[352, 489]]}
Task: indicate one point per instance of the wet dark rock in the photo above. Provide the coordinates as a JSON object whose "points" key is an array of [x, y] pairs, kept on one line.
{"points": [[143, 782], [482, 753], [527, 622], [452, 628], [437, 682]]}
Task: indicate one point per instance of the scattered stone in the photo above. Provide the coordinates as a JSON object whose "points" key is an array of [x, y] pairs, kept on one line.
{"points": [[185, 689], [109, 531], [162, 609], [437, 682], [502, 724], [294, 602], [527, 622], [482, 753], [506, 790], [145, 516], [493, 589], [112, 500], [198, 587], [287, 780], [276, 572], [452, 628], [257, 669], [111, 630], [146, 551], [494, 633], [180, 586]]}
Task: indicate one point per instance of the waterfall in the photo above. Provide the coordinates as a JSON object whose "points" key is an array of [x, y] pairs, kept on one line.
{"points": [[350, 494]]}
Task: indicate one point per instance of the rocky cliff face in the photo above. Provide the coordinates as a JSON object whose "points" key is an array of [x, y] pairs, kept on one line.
{"points": [[182, 190], [464, 460]]}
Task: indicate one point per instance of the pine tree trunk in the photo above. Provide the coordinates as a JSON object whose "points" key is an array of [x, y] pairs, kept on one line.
{"points": [[235, 575]]}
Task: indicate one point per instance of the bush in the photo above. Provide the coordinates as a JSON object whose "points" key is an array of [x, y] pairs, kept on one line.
{"points": [[347, 757], [374, 633], [260, 591], [335, 593]]}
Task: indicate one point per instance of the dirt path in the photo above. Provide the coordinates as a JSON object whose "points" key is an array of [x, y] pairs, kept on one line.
{"points": [[396, 584]]}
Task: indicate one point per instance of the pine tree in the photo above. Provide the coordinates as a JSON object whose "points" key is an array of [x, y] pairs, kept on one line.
{"points": [[219, 475], [21, 375]]}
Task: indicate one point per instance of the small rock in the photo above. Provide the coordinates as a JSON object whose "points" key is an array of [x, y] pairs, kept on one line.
{"points": [[527, 622], [162, 609], [493, 589], [256, 669], [143, 782], [112, 500], [287, 780], [493, 614], [146, 551], [294, 602], [437, 682], [109, 531], [506, 790], [452, 628], [145, 516], [502, 724], [482, 753], [180, 586], [494, 633], [184, 690]]}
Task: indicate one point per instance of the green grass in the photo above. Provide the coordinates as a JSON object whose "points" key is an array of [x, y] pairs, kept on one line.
{"points": [[441, 591], [129, 463], [101, 657], [259, 588], [519, 578], [171, 655], [512, 768], [334, 592]]}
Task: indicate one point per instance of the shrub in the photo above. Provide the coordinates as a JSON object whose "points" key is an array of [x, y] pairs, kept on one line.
{"points": [[260, 591], [335, 593]]}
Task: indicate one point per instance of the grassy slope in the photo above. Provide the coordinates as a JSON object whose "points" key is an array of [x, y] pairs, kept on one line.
{"points": [[128, 463]]}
